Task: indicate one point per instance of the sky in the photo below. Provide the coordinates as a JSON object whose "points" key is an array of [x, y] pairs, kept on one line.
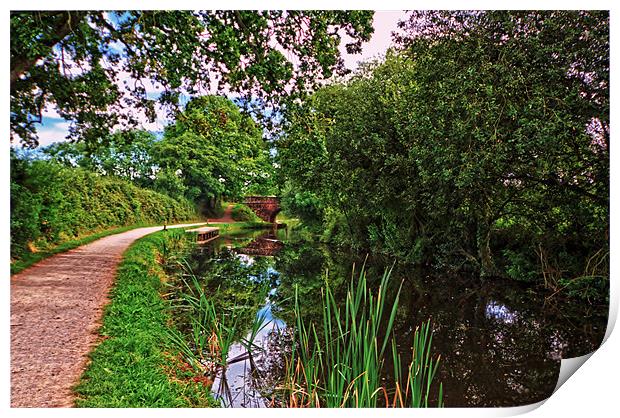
{"points": [[55, 129]]}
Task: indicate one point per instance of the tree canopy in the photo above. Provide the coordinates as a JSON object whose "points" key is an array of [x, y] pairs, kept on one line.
{"points": [[489, 122], [74, 61], [214, 149], [126, 154]]}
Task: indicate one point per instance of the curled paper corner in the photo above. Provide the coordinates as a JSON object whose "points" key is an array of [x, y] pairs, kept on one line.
{"points": [[568, 367], [519, 410]]}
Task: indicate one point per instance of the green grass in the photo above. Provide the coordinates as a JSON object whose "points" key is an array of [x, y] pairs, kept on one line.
{"points": [[242, 213], [286, 218], [32, 258], [236, 226], [136, 365]]}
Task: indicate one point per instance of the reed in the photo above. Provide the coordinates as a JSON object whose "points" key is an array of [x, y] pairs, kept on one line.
{"points": [[211, 333], [337, 362], [345, 367]]}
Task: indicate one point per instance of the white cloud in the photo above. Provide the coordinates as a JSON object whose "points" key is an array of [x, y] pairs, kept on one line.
{"points": [[53, 131]]}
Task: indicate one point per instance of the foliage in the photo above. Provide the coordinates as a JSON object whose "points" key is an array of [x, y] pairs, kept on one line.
{"points": [[242, 213], [214, 149], [476, 118], [241, 227], [304, 204], [51, 204], [135, 365], [212, 320], [344, 367], [71, 60], [593, 289], [216, 309], [211, 150], [126, 155]]}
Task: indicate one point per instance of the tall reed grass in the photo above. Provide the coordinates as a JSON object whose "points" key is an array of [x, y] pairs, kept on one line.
{"points": [[339, 362], [211, 333], [345, 367]]}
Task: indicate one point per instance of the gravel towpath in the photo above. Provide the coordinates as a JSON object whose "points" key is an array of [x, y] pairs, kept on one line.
{"points": [[56, 310], [226, 216]]}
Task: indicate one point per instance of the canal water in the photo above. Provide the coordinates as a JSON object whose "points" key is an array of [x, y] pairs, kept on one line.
{"points": [[500, 342]]}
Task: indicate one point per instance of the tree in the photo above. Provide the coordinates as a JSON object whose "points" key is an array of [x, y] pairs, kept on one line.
{"points": [[124, 154], [215, 150], [521, 101], [478, 120], [73, 61]]}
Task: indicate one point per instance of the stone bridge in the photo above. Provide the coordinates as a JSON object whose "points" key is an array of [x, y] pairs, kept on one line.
{"points": [[265, 207]]}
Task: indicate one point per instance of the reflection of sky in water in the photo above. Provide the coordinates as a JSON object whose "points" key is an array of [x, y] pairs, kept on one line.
{"points": [[558, 345], [267, 315], [245, 260], [237, 387], [248, 261], [500, 312]]}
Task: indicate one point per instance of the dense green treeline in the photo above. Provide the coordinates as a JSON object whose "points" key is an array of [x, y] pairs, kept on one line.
{"points": [[479, 145], [51, 204], [211, 151], [69, 189]]}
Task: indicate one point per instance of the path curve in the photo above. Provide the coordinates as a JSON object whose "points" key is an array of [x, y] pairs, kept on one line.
{"points": [[225, 218], [56, 311]]}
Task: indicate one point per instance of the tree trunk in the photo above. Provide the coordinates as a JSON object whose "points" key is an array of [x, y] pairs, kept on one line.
{"points": [[487, 266], [64, 24]]}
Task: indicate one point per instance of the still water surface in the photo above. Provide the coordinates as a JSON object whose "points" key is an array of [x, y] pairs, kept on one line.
{"points": [[500, 342]]}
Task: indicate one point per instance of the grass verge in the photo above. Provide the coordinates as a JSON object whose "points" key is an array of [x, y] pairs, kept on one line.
{"points": [[236, 226], [33, 258], [135, 365]]}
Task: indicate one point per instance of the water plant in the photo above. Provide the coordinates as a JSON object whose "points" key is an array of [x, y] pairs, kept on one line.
{"points": [[211, 331], [344, 367], [337, 361]]}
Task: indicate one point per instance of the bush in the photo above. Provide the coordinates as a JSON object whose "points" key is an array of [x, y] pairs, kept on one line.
{"points": [[51, 204], [242, 213]]}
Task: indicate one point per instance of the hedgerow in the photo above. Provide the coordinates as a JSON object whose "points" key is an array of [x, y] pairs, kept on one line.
{"points": [[51, 204]]}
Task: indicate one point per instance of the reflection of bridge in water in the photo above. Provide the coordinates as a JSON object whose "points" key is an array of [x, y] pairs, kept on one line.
{"points": [[264, 245]]}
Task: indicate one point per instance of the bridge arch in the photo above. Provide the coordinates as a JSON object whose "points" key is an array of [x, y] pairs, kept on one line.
{"points": [[265, 207]]}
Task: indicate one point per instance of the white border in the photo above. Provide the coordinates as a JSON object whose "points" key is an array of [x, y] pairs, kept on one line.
{"points": [[591, 391]]}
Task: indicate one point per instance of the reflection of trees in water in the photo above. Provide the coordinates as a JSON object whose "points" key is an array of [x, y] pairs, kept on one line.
{"points": [[257, 372], [500, 341], [271, 363], [500, 346]]}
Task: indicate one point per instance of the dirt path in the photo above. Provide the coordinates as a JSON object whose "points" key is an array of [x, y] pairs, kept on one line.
{"points": [[56, 309], [226, 216]]}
